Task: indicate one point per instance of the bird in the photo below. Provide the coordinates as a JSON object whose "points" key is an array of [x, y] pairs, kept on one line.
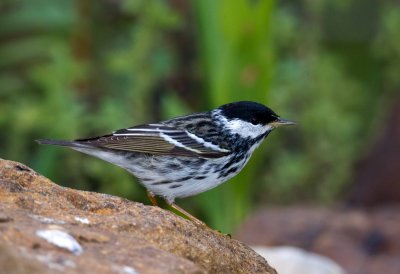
{"points": [[186, 155]]}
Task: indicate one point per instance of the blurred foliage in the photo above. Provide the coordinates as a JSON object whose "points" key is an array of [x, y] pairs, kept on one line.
{"points": [[71, 69], [76, 76], [235, 45], [329, 77]]}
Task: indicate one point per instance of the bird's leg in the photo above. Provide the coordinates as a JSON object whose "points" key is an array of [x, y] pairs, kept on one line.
{"points": [[194, 219], [152, 199], [187, 214]]}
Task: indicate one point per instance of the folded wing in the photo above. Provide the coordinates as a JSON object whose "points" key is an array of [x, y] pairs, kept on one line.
{"points": [[158, 139]]}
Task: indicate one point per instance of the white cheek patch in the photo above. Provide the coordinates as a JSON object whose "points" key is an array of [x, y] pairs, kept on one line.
{"points": [[245, 129]]}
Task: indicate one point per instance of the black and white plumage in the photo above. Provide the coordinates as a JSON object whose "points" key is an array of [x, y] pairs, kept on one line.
{"points": [[186, 155]]}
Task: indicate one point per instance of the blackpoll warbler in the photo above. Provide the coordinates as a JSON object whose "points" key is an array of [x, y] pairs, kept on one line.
{"points": [[186, 155]]}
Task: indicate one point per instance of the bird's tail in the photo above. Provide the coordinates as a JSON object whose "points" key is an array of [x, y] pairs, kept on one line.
{"points": [[59, 143], [105, 154]]}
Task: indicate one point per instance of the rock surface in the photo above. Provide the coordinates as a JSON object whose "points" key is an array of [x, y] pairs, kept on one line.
{"points": [[361, 241], [46, 228], [293, 260]]}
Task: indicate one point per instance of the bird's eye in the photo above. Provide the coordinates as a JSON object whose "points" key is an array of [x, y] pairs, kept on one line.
{"points": [[254, 121]]}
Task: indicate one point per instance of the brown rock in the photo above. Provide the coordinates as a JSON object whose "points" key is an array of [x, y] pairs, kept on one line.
{"points": [[116, 235], [361, 241]]}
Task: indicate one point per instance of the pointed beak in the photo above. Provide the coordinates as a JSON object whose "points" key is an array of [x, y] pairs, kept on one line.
{"points": [[281, 122]]}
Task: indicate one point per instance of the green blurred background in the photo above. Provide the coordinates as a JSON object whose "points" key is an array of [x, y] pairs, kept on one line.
{"points": [[73, 69]]}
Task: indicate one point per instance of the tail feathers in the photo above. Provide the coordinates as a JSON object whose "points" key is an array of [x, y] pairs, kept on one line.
{"points": [[59, 143]]}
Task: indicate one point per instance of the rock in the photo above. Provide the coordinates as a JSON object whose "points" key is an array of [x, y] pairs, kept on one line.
{"points": [[46, 228], [292, 260], [13, 263], [361, 241]]}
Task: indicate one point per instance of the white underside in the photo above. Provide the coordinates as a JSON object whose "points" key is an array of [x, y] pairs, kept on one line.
{"points": [[189, 187], [145, 167]]}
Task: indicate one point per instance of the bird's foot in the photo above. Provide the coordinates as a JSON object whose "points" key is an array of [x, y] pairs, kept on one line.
{"points": [[152, 198]]}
